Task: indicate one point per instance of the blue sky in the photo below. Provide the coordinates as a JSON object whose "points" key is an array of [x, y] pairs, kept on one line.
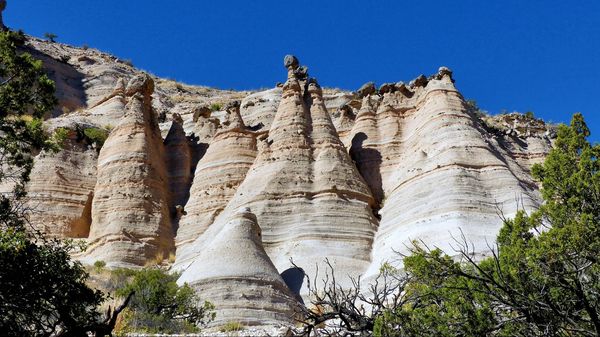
{"points": [[540, 56]]}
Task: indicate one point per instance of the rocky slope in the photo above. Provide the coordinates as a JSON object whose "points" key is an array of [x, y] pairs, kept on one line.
{"points": [[236, 185]]}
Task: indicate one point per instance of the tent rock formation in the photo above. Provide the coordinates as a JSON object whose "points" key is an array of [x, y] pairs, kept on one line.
{"points": [[351, 176]]}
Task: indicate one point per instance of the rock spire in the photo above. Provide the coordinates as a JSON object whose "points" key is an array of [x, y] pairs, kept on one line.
{"points": [[308, 197], [130, 210], [236, 261]]}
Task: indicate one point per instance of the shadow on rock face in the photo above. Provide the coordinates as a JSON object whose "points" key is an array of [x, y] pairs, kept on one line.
{"points": [[293, 278], [368, 163], [70, 91]]}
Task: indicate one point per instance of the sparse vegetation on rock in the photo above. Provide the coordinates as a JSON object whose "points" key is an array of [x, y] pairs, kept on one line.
{"points": [[50, 36], [216, 106], [43, 291], [542, 278], [95, 136], [160, 305]]}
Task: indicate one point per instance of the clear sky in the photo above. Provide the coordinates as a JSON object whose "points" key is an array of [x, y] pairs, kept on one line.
{"points": [[539, 56]]}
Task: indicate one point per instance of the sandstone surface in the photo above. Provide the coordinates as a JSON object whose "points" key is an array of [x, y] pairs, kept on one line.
{"points": [[326, 173], [431, 189], [130, 210], [179, 160], [304, 189], [235, 274], [61, 189], [216, 179]]}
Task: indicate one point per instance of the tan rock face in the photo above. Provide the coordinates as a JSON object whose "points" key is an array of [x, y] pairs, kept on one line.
{"points": [[217, 177], [61, 188], [326, 173], [130, 214], [179, 161], [237, 260], [308, 197], [432, 189]]}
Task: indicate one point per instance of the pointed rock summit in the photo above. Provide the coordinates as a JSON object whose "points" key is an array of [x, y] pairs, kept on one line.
{"points": [[308, 197], [235, 274], [178, 158], [130, 209], [218, 174], [353, 177]]}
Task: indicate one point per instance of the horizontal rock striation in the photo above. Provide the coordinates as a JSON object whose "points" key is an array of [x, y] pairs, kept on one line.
{"points": [[308, 197], [130, 210], [216, 179], [349, 176], [431, 189], [235, 274], [61, 189]]}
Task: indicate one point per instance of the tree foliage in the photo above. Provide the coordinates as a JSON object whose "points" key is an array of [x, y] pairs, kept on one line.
{"points": [[26, 94], [160, 305], [542, 278], [42, 291]]}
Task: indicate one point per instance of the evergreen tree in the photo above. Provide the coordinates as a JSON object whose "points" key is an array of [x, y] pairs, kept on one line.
{"points": [[543, 278], [42, 291]]}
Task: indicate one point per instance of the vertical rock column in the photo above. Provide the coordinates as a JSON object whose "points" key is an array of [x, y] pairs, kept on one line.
{"points": [[130, 215], [218, 175], [178, 158], [309, 199]]}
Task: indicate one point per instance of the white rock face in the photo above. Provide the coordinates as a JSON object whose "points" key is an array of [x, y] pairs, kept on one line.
{"points": [[308, 197], [436, 172], [235, 274], [326, 173]]}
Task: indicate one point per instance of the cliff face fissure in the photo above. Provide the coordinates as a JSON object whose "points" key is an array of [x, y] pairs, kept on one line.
{"points": [[297, 172]]}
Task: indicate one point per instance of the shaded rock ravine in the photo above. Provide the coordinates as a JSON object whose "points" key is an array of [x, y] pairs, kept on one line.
{"points": [[234, 185]]}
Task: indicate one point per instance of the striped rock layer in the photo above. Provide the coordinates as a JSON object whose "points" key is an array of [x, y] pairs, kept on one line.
{"points": [[61, 189], [436, 172], [130, 210], [235, 274], [218, 175], [319, 173], [306, 193]]}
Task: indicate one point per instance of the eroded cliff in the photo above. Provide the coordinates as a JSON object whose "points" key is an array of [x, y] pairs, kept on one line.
{"points": [[237, 185]]}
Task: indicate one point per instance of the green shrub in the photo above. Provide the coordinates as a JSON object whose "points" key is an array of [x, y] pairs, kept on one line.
{"points": [[99, 265], [60, 136], [161, 306], [529, 114], [231, 326], [50, 37], [119, 277], [95, 135], [216, 106]]}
